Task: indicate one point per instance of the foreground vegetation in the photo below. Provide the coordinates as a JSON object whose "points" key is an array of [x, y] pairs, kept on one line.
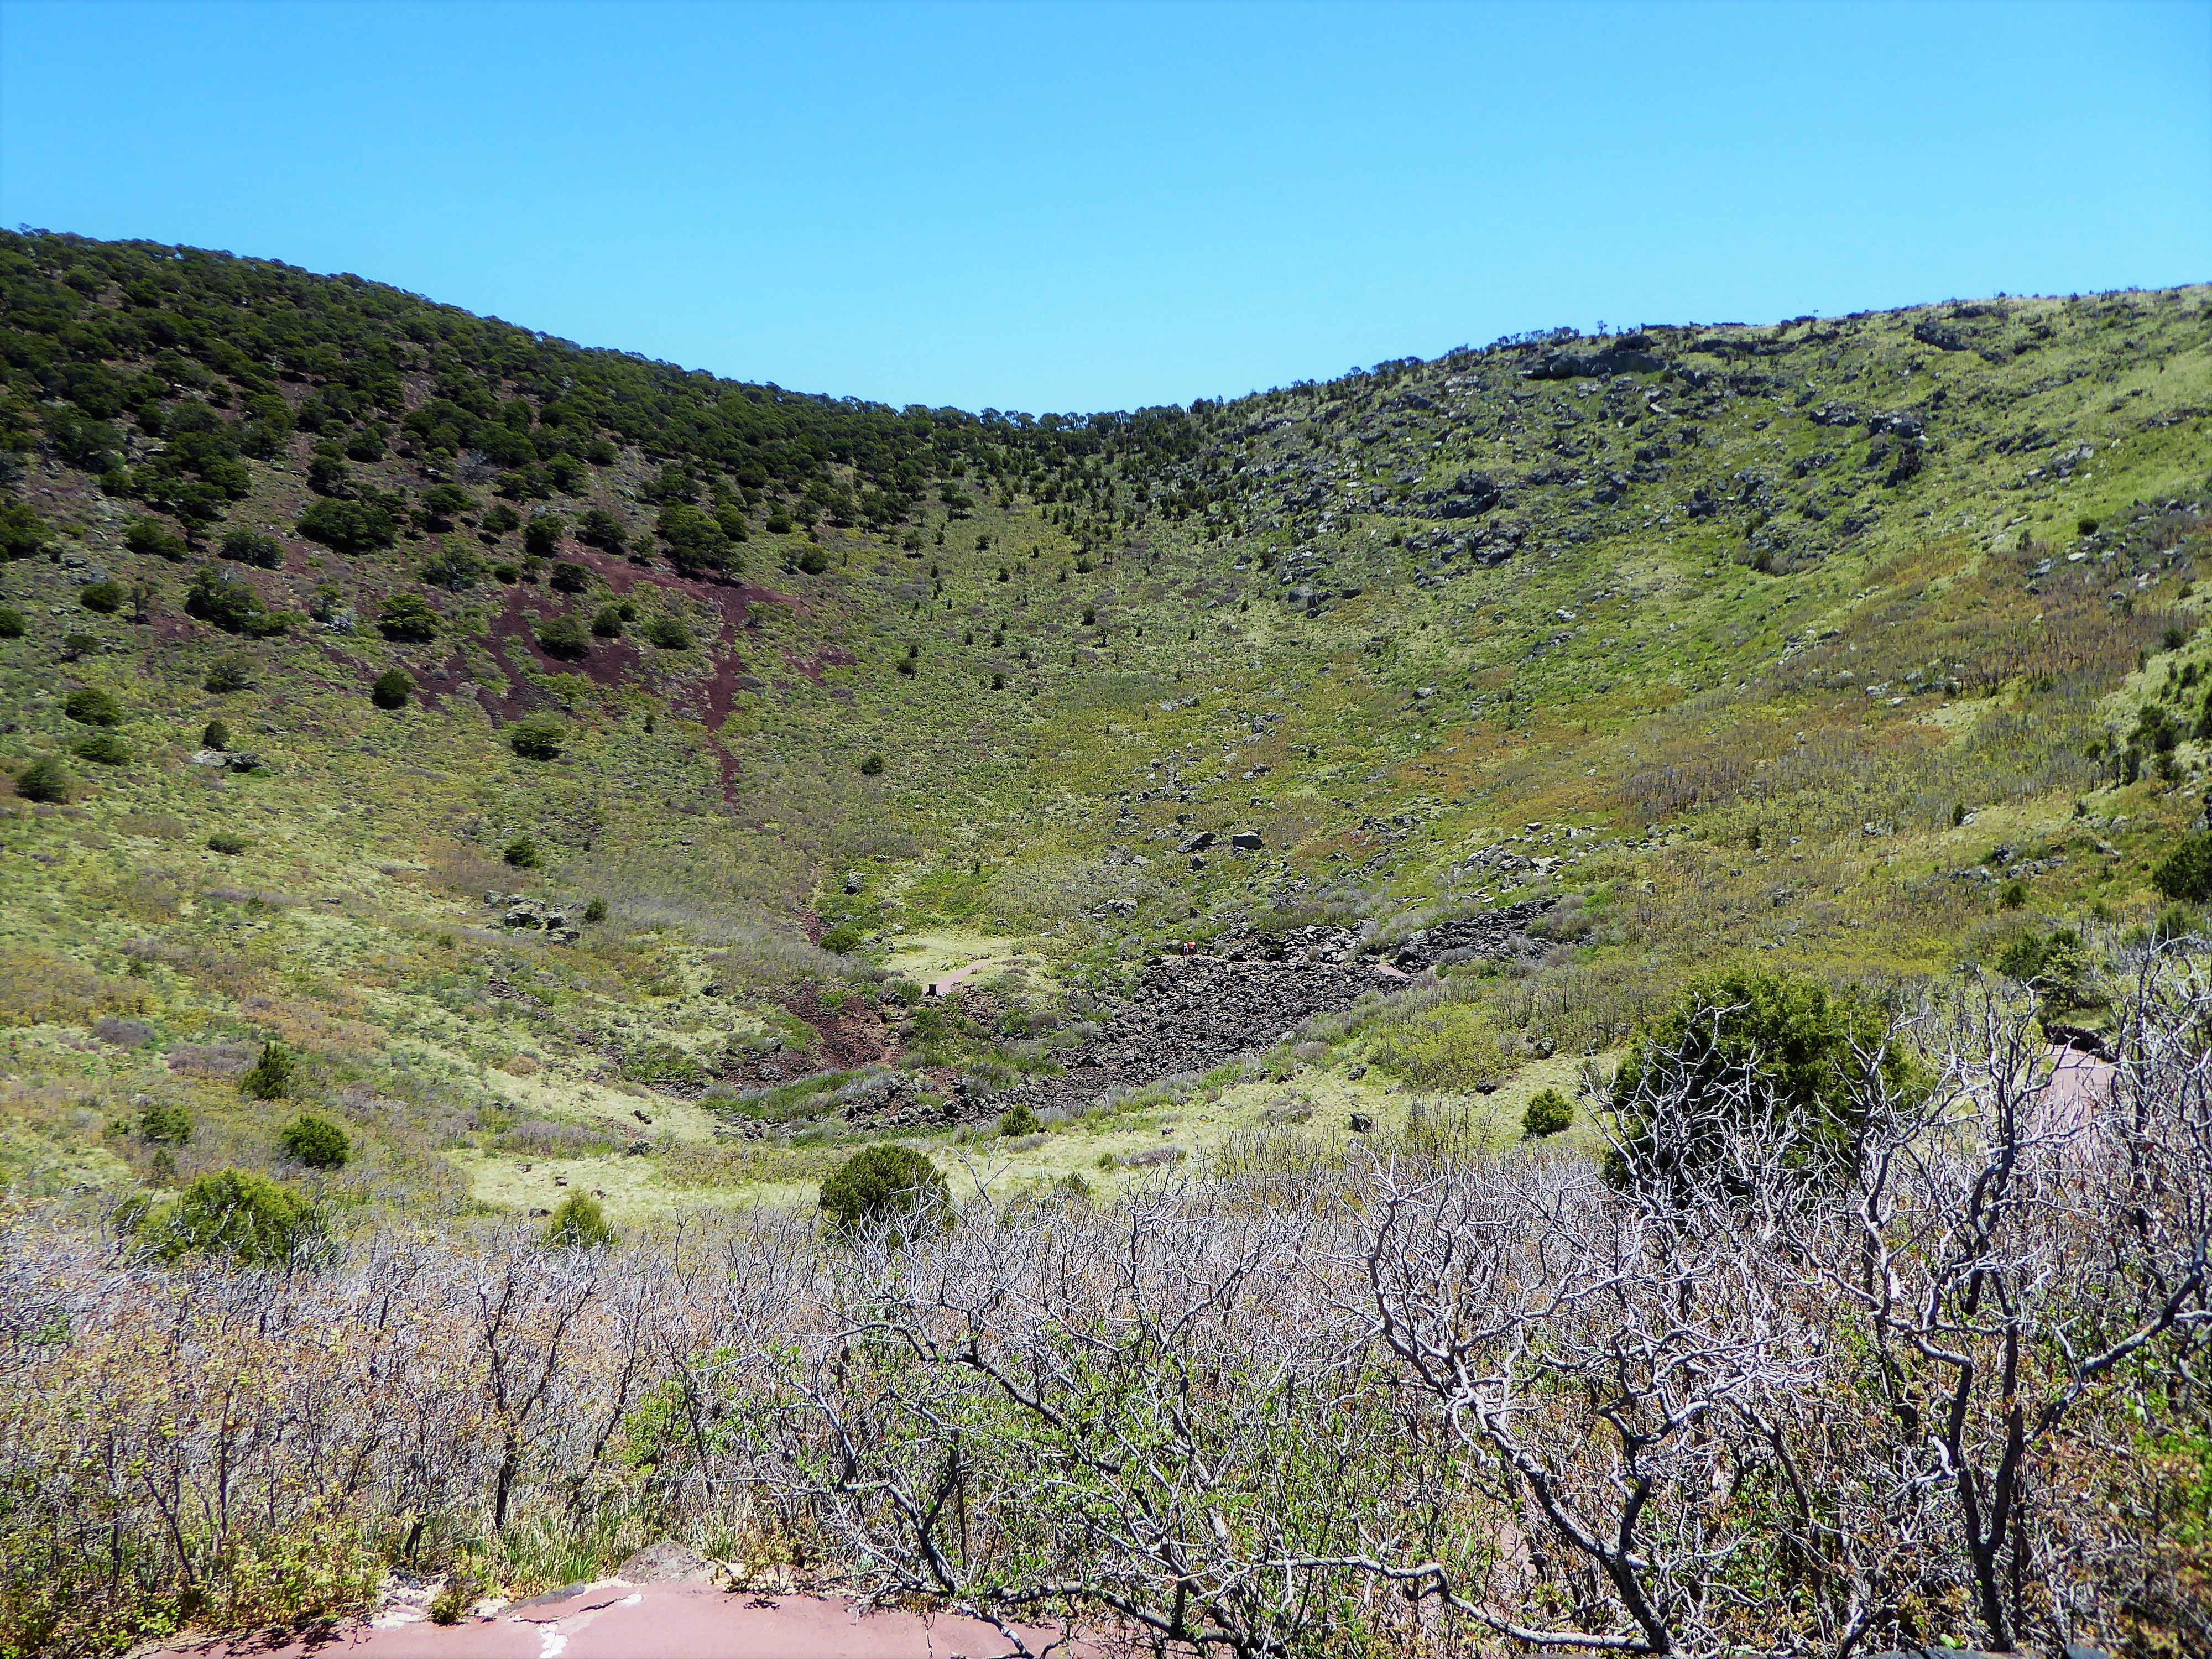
{"points": [[1938, 1381]]}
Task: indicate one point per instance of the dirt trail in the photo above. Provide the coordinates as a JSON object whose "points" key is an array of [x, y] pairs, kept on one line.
{"points": [[617, 1619]]}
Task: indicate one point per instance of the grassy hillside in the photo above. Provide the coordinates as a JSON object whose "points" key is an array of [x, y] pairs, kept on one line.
{"points": [[1846, 645]]}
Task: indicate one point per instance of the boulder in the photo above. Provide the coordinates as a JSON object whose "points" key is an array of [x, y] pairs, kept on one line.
{"points": [[1942, 338], [1566, 366], [664, 1563], [1467, 497], [1247, 840], [853, 881], [1362, 1124]]}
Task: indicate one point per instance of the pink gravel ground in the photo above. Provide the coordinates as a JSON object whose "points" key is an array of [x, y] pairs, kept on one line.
{"points": [[620, 1620]]}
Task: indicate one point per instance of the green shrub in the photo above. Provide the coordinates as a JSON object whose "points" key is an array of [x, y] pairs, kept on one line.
{"points": [[600, 528], [596, 910], [564, 637], [106, 598], [608, 623], [443, 502], [316, 1142], [668, 634], [1019, 1120], [79, 645], [538, 740], [251, 547], [2056, 967], [2012, 895], [2175, 921], [453, 568], [269, 1078], [103, 748], [392, 688], [814, 562], [541, 537], [569, 577], [883, 1184], [228, 673], [579, 1223], [224, 601], [347, 526], [166, 1124], [1452, 1048], [1547, 1112], [1800, 1044], [872, 766], [2186, 873], [23, 531], [235, 1213], [216, 734], [89, 707], [454, 1597], [46, 779], [408, 618], [12, 625], [228, 845], [156, 539], [842, 938], [520, 854]]}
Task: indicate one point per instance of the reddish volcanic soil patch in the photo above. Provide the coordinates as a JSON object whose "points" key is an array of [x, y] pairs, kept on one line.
{"points": [[845, 1037]]}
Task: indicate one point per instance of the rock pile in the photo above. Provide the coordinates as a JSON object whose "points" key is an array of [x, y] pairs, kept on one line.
{"points": [[528, 913], [1193, 1012]]}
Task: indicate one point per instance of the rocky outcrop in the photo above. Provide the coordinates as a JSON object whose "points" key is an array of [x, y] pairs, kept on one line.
{"points": [[1193, 1012]]}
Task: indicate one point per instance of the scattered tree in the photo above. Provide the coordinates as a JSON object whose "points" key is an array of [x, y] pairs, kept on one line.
{"points": [[564, 636], [408, 618], [165, 1123], [89, 706], [252, 547], [883, 1186], [1547, 1112], [46, 779], [316, 1142], [579, 1223], [538, 740], [271, 1077], [238, 1213]]}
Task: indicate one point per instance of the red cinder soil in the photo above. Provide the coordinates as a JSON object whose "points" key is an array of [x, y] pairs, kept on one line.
{"points": [[845, 1037]]}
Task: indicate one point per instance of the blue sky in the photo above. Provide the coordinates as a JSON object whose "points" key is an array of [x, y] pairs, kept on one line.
{"points": [[1065, 207]]}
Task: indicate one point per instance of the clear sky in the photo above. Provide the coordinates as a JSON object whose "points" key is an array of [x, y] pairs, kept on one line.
{"points": [[1078, 207]]}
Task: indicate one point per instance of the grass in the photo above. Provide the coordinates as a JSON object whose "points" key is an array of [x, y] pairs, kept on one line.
{"points": [[1630, 673]]}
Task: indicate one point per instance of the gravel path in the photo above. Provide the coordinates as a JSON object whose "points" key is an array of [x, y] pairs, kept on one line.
{"points": [[617, 1619]]}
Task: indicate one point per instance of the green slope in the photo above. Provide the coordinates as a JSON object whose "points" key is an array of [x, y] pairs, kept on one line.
{"points": [[1823, 644]]}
